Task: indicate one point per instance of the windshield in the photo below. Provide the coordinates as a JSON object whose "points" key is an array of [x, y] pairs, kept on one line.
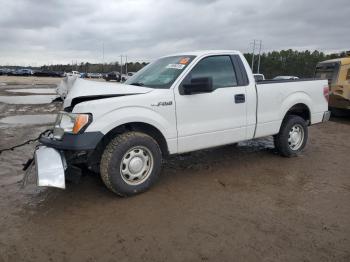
{"points": [[162, 73]]}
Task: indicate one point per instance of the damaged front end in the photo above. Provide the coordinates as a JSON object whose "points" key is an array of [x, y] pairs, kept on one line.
{"points": [[62, 150], [69, 145], [50, 165], [65, 86]]}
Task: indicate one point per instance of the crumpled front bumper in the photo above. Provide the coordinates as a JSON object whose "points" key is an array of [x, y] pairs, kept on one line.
{"points": [[50, 166], [52, 156], [78, 142]]}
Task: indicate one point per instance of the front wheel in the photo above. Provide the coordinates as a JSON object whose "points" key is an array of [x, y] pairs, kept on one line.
{"points": [[131, 163], [293, 135]]}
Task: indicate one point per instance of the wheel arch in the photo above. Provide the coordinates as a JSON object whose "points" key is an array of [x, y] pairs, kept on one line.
{"points": [[298, 103], [299, 109], [142, 127]]}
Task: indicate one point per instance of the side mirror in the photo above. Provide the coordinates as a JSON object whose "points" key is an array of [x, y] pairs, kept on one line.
{"points": [[198, 85]]}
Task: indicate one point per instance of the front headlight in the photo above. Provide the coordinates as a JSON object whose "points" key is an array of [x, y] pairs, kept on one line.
{"points": [[70, 123]]}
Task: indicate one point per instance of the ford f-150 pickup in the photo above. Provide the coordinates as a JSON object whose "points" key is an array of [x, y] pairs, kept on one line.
{"points": [[179, 103]]}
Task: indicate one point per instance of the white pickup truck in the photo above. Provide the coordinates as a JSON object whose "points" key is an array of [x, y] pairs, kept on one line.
{"points": [[177, 104]]}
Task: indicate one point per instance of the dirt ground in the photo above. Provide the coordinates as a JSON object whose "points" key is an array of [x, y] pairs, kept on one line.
{"points": [[234, 203]]}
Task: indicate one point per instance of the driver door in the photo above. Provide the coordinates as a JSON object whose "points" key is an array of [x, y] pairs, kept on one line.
{"points": [[213, 118]]}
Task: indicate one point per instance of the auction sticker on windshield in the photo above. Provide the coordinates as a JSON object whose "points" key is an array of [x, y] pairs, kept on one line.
{"points": [[175, 66]]}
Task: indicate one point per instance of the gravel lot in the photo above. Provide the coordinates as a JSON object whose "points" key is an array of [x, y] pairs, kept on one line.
{"points": [[235, 203]]}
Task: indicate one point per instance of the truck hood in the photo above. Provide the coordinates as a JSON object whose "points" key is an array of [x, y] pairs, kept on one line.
{"points": [[85, 90]]}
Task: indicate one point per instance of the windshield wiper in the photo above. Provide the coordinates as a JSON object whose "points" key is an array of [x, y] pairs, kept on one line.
{"points": [[137, 84]]}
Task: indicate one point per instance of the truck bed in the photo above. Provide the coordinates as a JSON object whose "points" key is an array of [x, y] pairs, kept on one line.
{"points": [[285, 81], [276, 97]]}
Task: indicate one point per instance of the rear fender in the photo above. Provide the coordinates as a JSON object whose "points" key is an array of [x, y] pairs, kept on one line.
{"points": [[294, 99]]}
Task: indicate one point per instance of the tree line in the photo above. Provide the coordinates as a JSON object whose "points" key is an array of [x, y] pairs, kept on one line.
{"points": [[284, 62], [95, 68], [290, 62]]}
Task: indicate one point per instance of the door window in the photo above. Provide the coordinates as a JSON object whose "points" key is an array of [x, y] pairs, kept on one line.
{"points": [[219, 68]]}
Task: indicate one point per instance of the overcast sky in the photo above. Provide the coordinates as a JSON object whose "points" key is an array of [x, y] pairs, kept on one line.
{"points": [[40, 32]]}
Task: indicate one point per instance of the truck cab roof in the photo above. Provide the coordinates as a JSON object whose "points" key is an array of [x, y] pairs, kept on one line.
{"points": [[205, 52]]}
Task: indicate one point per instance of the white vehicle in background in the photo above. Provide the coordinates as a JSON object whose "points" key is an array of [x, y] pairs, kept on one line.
{"points": [[74, 73], [259, 77], [94, 75], [177, 104], [285, 78]]}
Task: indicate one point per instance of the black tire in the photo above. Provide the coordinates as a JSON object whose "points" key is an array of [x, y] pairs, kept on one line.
{"points": [[117, 151], [281, 140]]}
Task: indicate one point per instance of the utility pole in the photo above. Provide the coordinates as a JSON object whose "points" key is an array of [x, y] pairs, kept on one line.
{"points": [[103, 52], [126, 65], [253, 56], [259, 56], [121, 64], [255, 43], [121, 67], [103, 56]]}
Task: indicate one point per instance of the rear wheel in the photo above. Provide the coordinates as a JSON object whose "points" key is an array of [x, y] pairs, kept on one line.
{"points": [[293, 135], [131, 163]]}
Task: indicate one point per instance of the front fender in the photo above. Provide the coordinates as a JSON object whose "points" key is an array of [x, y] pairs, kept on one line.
{"points": [[126, 115], [166, 124]]}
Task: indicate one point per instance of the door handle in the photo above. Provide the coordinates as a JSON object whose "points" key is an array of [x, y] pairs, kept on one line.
{"points": [[240, 98]]}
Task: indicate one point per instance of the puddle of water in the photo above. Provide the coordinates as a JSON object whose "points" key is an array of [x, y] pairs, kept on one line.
{"points": [[31, 99], [33, 90], [28, 120]]}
